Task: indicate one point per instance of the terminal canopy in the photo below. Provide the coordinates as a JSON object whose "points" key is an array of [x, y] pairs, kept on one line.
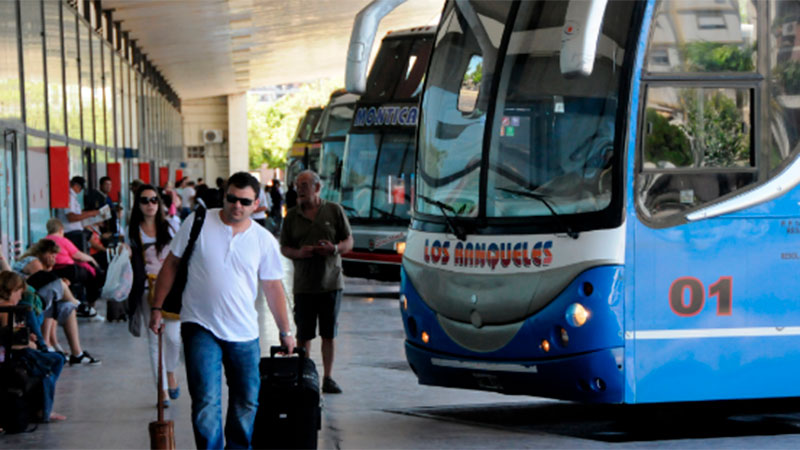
{"points": [[206, 48]]}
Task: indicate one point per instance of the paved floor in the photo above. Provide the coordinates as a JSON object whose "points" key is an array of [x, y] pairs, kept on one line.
{"points": [[111, 405]]}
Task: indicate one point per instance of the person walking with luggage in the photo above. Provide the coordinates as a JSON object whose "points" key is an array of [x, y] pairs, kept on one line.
{"points": [[219, 321], [149, 235], [313, 236]]}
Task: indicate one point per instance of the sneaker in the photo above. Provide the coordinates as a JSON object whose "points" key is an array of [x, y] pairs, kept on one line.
{"points": [[83, 359], [97, 317], [330, 387], [85, 310]]}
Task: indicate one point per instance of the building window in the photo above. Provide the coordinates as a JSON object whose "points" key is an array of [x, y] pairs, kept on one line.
{"points": [[197, 151], [710, 21]]}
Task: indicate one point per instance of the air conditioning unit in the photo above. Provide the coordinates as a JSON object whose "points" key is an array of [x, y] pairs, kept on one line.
{"points": [[212, 136]]}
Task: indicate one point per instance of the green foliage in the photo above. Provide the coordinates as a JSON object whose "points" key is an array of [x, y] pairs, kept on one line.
{"points": [[787, 75], [271, 127], [702, 56], [477, 75], [715, 128], [666, 142]]}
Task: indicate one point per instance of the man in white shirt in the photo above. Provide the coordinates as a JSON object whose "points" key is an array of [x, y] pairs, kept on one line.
{"points": [[72, 217], [219, 322]]}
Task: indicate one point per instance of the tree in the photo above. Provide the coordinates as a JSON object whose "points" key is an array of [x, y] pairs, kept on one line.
{"points": [[271, 127], [714, 125], [703, 56], [666, 142]]}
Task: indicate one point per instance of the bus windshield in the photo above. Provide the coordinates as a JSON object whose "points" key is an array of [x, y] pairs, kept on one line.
{"points": [[337, 122], [551, 137], [399, 69], [377, 178], [305, 131]]}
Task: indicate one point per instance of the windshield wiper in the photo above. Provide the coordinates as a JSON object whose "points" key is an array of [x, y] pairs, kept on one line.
{"points": [[387, 213], [461, 235], [541, 198]]}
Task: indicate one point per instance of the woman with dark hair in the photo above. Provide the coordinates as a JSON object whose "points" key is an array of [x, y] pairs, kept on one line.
{"points": [[149, 235]]}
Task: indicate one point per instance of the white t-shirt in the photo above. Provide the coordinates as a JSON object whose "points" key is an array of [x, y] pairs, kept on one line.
{"points": [[74, 207], [174, 221], [224, 272], [152, 260], [186, 196], [262, 201]]}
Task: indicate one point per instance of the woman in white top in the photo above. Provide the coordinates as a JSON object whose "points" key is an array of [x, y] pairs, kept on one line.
{"points": [[149, 235]]}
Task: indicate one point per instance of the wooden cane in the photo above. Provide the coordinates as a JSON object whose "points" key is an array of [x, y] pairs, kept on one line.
{"points": [[162, 432]]}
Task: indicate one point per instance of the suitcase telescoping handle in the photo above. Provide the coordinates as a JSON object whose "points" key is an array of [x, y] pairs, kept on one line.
{"points": [[275, 349]]}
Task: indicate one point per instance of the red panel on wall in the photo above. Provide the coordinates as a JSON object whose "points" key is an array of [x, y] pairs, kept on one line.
{"points": [[114, 171], [59, 177], [144, 172], [178, 175], [163, 176]]}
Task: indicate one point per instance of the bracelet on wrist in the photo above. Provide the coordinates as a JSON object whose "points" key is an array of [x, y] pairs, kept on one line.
{"points": [[155, 308], [285, 334]]}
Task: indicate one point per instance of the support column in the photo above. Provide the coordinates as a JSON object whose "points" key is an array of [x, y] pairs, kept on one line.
{"points": [[237, 133]]}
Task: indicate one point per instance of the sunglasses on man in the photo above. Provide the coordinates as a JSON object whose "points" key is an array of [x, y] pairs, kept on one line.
{"points": [[146, 200], [244, 201]]}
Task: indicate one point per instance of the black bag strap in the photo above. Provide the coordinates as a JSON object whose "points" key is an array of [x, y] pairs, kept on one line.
{"points": [[197, 225], [172, 303]]}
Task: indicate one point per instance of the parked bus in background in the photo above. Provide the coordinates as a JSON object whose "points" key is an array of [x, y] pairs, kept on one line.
{"points": [[333, 129], [306, 145], [606, 204], [378, 167]]}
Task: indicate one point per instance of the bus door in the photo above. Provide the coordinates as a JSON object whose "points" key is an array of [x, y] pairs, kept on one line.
{"points": [[713, 308], [10, 214]]}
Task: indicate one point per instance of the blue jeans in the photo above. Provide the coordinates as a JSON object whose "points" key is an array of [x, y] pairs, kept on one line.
{"points": [[206, 355], [34, 322], [55, 362]]}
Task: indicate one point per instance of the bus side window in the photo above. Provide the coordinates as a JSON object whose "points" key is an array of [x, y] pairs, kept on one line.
{"points": [[784, 84], [704, 86], [697, 146]]}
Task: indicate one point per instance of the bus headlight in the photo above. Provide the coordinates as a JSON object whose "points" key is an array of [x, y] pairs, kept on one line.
{"points": [[400, 247], [577, 315], [403, 302]]}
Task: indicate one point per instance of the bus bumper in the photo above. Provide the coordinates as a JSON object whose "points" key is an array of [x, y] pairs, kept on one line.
{"points": [[595, 377]]}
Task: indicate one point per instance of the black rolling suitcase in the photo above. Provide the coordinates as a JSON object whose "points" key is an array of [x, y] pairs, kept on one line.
{"points": [[289, 413]]}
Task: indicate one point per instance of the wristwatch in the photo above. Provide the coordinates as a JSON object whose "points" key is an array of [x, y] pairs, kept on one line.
{"points": [[285, 333]]}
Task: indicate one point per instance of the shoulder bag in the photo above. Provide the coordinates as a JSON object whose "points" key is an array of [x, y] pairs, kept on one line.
{"points": [[173, 302]]}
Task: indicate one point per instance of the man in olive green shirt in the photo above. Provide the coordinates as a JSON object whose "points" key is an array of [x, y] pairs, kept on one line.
{"points": [[314, 234]]}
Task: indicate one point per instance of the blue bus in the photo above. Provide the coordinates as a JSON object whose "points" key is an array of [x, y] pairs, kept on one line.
{"points": [[378, 165], [607, 205]]}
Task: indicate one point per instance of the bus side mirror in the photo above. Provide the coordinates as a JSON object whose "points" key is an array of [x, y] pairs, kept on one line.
{"points": [[580, 35], [365, 27]]}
